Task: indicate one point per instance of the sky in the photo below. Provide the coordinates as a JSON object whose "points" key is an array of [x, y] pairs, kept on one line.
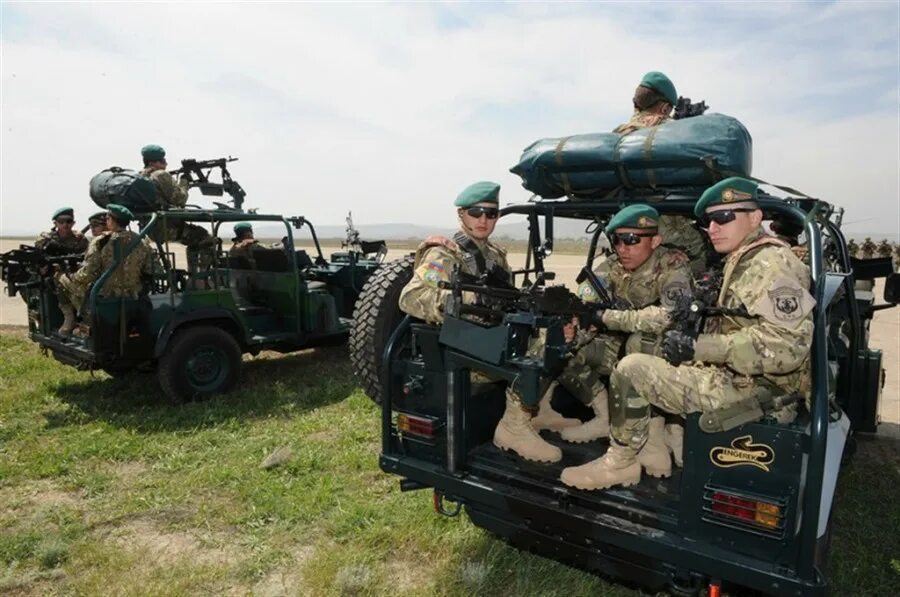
{"points": [[389, 110]]}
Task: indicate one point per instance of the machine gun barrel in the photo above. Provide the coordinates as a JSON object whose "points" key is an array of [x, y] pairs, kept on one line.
{"points": [[29, 267]]}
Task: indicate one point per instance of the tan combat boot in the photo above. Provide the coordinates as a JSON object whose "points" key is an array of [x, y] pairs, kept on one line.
{"points": [[514, 432], [675, 442], [654, 456], [595, 428], [547, 418], [618, 466], [68, 311]]}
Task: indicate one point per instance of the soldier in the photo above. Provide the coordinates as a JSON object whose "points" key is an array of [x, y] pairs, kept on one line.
{"points": [[243, 241], [200, 245], [867, 249], [653, 101], [97, 223], [124, 281], [473, 253], [736, 357], [647, 280], [884, 248], [852, 247], [62, 239]]}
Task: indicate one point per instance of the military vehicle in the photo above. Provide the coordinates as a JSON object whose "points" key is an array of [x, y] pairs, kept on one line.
{"points": [[751, 506], [189, 324]]}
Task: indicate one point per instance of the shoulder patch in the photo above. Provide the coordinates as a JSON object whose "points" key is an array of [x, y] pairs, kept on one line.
{"points": [[673, 292], [676, 257], [785, 302]]}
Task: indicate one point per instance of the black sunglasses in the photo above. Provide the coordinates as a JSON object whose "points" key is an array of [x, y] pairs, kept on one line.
{"points": [[629, 238], [723, 216], [477, 212], [65, 221]]}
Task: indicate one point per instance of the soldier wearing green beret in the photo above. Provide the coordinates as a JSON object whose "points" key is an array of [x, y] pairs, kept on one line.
{"points": [[124, 281], [472, 252], [62, 238], [647, 280], [735, 358], [200, 245], [97, 223]]}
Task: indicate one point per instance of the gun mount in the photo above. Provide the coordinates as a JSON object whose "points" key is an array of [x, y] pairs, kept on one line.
{"points": [[196, 173]]}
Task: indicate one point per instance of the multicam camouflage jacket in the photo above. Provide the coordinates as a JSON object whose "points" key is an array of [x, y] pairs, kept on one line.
{"points": [[171, 194], [434, 263], [773, 341], [74, 243], [651, 290], [680, 232], [124, 281], [641, 119]]}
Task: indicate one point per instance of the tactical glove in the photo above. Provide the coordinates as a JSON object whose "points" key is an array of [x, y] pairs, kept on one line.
{"points": [[677, 347]]}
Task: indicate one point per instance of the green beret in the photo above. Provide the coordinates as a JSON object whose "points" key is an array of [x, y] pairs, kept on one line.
{"points": [[121, 213], [153, 153], [639, 215], [730, 190], [663, 84], [100, 216], [64, 211], [480, 192], [242, 227]]}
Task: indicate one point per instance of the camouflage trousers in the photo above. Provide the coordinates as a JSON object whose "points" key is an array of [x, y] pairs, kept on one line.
{"points": [[581, 376], [642, 380], [201, 247]]}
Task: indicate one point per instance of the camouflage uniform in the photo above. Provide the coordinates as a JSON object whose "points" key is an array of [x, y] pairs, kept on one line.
{"points": [[884, 249], [852, 248], [434, 263], [735, 357], [124, 281], [867, 249], [200, 245], [680, 232], [651, 290], [641, 119], [75, 243]]}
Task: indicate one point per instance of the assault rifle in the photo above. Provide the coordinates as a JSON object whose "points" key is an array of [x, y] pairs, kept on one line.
{"points": [[196, 172], [31, 267], [685, 109], [690, 312]]}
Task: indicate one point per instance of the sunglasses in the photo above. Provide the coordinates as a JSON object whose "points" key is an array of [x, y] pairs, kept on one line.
{"points": [[723, 216], [629, 238], [490, 212], [65, 221]]}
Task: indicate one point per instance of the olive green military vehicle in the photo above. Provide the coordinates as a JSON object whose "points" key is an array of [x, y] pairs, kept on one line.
{"points": [[751, 507]]}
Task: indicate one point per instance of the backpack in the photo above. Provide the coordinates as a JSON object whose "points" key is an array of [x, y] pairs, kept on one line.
{"points": [[124, 187]]}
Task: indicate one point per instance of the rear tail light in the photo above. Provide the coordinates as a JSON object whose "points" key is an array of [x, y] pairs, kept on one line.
{"points": [[747, 512], [418, 426]]}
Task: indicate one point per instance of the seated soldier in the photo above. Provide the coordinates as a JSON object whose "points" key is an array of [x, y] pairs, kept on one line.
{"points": [[473, 253], [243, 242], [646, 280], [97, 223], [124, 281], [735, 357], [62, 239]]}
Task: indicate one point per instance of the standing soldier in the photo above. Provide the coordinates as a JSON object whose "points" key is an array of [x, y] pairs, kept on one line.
{"points": [[852, 247], [647, 280], [884, 248], [124, 281], [868, 248], [62, 239], [97, 223], [653, 101], [200, 245], [472, 252], [736, 357]]}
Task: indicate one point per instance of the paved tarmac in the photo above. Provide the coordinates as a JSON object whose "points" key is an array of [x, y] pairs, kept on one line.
{"points": [[885, 328]]}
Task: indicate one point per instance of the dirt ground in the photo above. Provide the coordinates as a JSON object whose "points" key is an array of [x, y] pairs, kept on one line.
{"points": [[885, 330]]}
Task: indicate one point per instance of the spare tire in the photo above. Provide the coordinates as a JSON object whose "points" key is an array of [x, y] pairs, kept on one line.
{"points": [[375, 316]]}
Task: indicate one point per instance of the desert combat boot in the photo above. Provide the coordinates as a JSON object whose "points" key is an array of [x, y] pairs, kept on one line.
{"points": [[597, 427], [619, 466], [654, 456], [514, 432], [675, 442], [547, 418], [68, 324]]}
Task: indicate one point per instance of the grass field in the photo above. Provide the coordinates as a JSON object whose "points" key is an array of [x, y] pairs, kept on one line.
{"points": [[105, 489]]}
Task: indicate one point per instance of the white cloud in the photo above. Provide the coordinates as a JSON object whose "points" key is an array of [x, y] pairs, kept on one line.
{"points": [[389, 110]]}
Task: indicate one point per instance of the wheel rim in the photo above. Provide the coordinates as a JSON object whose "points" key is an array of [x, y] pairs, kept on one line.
{"points": [[207, 368]]}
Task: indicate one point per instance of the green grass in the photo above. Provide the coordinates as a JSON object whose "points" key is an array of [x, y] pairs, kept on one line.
{"points": [[104, 489]]}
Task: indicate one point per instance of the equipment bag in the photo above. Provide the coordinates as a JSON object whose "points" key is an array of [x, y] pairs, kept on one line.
{"points": [[690, 152], [124, 187]]}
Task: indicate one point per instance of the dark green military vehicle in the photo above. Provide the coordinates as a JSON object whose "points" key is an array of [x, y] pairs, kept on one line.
{"points": [[193, 326], [750, 509]]}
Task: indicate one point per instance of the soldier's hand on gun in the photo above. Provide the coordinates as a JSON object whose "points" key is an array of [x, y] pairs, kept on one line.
{"points": [[569, 330], [677, 347]]}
